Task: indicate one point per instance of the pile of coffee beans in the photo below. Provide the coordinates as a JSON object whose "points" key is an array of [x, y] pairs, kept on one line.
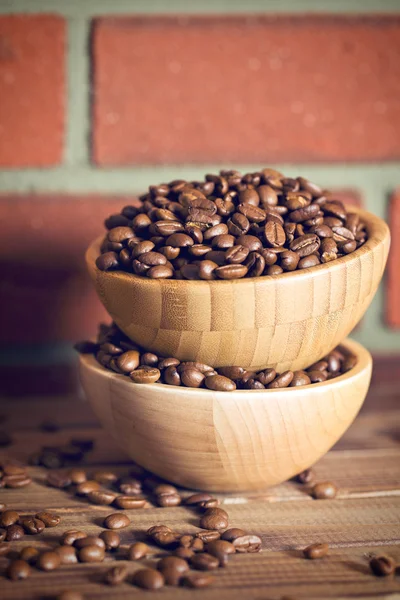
{"points": [[230, 226], [14, 526], [116, 352]]}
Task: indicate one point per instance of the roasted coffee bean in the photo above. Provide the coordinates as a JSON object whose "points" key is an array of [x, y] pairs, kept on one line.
{"points": [[282, 381], [214, 518], [87, 487], [33, 526], [206, 269], [274, 234], [211, 503], [48, 561], [173, 569], [247, 543], [163, 536], [317, 376], [316, 551], [102, 497], [148, 579], [58, 479], [111, 539], [168, 499], [382, 566], [191, 377], [232, 534], [221, 549], [233, 271], [49, 519], [305, 244], [349, 363], [29, 554], [308, 261], [18, 569], [220, 383], [197, 581], [300, 378], [208, 536], [8, 517], [14, 532], [143, 375], [69, 537], [116, 521], [71, 595], [305, 476], [91, 554], [138, 550], [274, 270], [196, 499], [128, 361], [325, 490], [129, 502], [90, 540], [204, 562], [77, 476], [116, 575], [107, 261], [67, 555]]}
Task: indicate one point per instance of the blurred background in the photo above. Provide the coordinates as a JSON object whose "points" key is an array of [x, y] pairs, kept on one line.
{"points": [[99, 99]]}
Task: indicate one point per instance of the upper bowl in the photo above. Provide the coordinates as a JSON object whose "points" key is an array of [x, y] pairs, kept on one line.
{"points": [[286, 321]]}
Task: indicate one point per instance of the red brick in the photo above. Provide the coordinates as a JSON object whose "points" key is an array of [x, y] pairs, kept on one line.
{"points": [[32, 88], [246, 89], [46, 293], [393, 271]]}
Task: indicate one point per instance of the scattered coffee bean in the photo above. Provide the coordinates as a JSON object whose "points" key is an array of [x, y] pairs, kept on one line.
{"points": [[69, 537], [116, 521], [148, 579], [196, 499], [91, 554], [198, 580], [8, 517], [111, 539], [305, 476], [48, 561], [138, 550], [204, 562], [173, 569], [116, 575], [49, 519], [231, 534], [325, 490], [87, 487], [247, 543], [214, 518], [208, 536], [105, 477], [382, 566], [33, 526], [29, 554], [102, 497], [129, 502], [90, 540], [58, 479], [14, 532], [316, 551], [18, 569], [67, 555], [77, 476], [221, 549]]}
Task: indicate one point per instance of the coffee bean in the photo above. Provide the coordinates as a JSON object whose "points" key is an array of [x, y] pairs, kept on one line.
{"points": [[282, 381], [48, 561], [305, 476], [325, 490], [204, 562], [29, 554], [141, 375], [274, 234], [316, 551], [90, 540], [148, 579], [129, 502], [111, 539], [14, 532], [8, 517], [232, 271], [49, 519], [192, 377], [208, 536], [308, 261], [138, 550], [32, 525], [116, 575], [69, 537], [220, 383], [382, 566], [247, 543], [18, 570], [102, 497], [300, 378], [173, 568], [70, 595], [91, 554], [58, 479], [87, 487], [221, 549], [67, 555], [168, 499], [116, 521], [232, 534], [214, 518]]}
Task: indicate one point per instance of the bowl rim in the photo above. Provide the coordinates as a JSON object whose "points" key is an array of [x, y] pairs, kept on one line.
{"points": [[378, 231], [88, 361]]}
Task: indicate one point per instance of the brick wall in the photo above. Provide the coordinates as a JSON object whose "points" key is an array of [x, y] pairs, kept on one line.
{"points": [[100, 99]]}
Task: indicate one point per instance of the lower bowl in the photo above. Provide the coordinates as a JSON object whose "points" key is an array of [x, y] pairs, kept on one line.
{"points": [[226, 441]]}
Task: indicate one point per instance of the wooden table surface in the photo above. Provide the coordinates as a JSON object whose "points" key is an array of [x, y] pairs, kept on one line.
{"points": [[362, 520]]}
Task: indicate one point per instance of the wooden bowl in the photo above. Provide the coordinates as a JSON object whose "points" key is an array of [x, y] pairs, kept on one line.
{"points": [[286, 322], [226, 441]]}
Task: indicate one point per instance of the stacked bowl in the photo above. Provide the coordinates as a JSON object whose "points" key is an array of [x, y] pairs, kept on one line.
{"points": [[243, 439]]}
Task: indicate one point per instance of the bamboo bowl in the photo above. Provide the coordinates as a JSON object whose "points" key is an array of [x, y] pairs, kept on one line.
{"points": [[226, 441], [286, 322]]}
